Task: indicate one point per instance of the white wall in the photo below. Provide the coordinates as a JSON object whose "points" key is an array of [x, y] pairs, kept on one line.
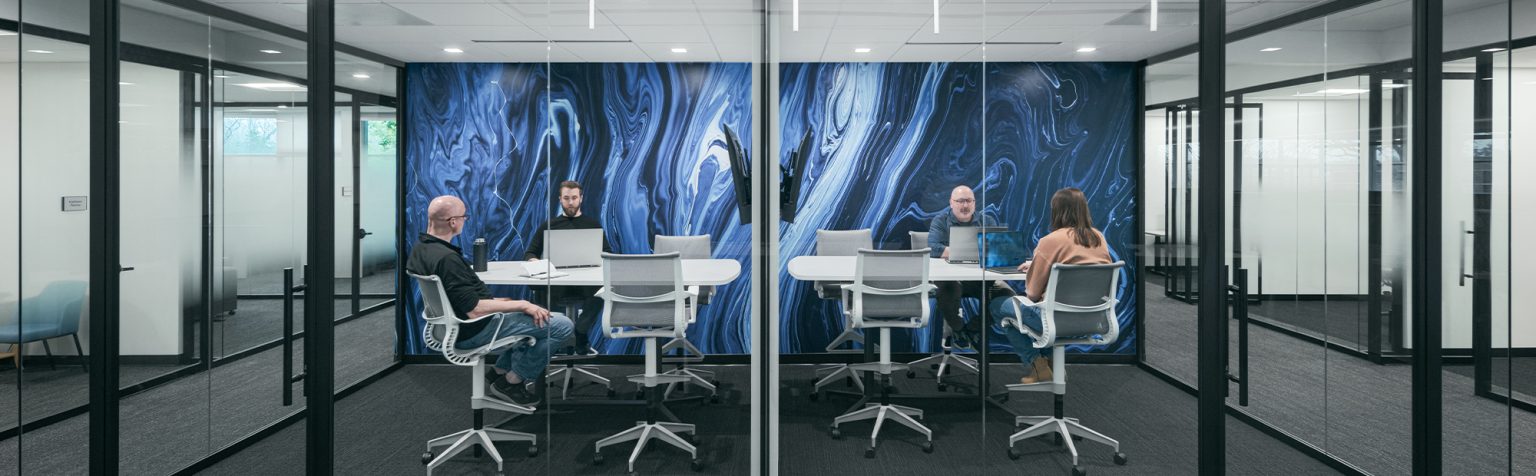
{"points": [[54, 158]]}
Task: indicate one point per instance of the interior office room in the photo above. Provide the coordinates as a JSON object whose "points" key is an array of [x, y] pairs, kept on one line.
{"points": [[766, 237]]}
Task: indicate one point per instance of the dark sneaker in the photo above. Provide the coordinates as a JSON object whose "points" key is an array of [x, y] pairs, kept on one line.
{"points": [[513, 392], [958, 340], [967, 339]]}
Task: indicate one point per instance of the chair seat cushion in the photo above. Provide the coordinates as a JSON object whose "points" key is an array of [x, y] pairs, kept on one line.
{"points": [[10, 334]]}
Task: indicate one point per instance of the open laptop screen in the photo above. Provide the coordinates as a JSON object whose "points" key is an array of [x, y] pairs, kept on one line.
{"points": [[1005, 248]]}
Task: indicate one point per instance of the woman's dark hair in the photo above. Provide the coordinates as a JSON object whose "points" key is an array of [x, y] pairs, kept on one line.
{"points": [[1069, 209]]}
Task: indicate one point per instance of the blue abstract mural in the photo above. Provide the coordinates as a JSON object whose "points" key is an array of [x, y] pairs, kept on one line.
{"points": [[890, 140], [646, 141]]}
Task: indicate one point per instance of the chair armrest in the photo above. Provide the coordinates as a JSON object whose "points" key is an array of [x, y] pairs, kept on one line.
{"points": [[1042, 339]]}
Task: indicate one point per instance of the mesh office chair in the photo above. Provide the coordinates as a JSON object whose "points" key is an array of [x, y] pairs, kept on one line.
{"points": [[442, 334], [839, 243], [1078, 309], [890, 290], [689, 247], [945, 359], [643, 296]]}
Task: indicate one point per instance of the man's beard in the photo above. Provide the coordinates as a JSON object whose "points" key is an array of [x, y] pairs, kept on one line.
{"points": [[570, 212]]}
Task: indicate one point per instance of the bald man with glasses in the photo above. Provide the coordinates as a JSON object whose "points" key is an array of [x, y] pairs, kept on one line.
{"points": [[436, 255], [961, 212]]}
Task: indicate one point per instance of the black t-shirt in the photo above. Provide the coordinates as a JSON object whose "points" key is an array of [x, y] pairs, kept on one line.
{"points": [[562, 222], [434, 257]]}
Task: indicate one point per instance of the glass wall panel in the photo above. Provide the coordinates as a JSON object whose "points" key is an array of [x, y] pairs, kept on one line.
{"points": [[1488, 419], [11, 378], [880, 127], [1169, 178]]}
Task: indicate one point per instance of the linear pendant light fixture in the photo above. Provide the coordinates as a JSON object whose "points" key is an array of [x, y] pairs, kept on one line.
{"points": [[591, 14], [935, 17], [1153, 21], [794, 14]]}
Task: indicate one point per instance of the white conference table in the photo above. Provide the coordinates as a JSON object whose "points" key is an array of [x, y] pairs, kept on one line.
{"points": [[696, 272], [841, 268]]}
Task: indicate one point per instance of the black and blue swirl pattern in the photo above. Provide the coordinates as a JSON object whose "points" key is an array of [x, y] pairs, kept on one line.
{"points": [[890, 140], [645, 140]]}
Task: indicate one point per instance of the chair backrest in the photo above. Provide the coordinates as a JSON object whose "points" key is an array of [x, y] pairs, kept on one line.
{"points": [[891, 286], [919, 239], [843, 242], [60, 304], [442, 329], [690, 247], [643, 292], [1079, 303]]}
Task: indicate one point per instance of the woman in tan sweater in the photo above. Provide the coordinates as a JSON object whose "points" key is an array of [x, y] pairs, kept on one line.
{"points": [[1073, 240]]}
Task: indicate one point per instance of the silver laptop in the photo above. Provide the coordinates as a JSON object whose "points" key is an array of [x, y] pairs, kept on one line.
{"points": [[576, 249], [963, 245]]}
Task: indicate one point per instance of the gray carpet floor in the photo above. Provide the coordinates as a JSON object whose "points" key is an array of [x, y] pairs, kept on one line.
{"points": [[170, 426], [1357, 410], [382, 430], [1517, 373]]}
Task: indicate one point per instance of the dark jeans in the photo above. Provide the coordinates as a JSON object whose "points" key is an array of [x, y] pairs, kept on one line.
{"points": [[950, 292], [590, 308]]}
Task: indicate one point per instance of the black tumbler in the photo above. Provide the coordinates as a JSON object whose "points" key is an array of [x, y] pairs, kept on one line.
{"points": [[479, 251]]}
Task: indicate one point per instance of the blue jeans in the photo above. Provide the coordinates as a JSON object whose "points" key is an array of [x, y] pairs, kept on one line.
{"points": [[1022, 344], [529, 361]]}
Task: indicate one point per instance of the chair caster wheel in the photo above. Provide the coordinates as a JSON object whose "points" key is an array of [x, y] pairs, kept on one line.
{"points": [[1079, 471], [698, 465], [1003, 398], [597, 459], [640, 395], [714, 399], [943, 387], [933, 366], [911, 374], [426, 458], [1120, 459], [869, 452], [836, 434], [533, 451], [716, 383], [815, 396], [1014, 454], [613, 393], [928, 447], [633, 473], [847, 381]]}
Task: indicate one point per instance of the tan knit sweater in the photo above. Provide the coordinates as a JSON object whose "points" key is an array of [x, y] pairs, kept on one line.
{"points": [[1060, 247]]}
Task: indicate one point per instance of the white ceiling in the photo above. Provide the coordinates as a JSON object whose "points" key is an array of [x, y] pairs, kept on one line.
{"points": [[731, 30]]}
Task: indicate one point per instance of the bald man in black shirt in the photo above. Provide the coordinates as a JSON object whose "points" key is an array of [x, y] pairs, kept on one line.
{"points": [[435, 255]]}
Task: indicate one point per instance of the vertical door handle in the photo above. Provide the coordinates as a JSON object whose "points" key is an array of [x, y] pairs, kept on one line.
{"points": [[1461, 255]]}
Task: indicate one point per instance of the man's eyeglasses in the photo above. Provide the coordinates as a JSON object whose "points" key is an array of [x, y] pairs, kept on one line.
{"points": [[964, 201], [460, 217]]}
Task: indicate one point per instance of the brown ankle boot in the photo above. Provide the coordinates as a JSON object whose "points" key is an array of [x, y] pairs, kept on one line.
{"points": [[1041, 372], [1043, 369]]}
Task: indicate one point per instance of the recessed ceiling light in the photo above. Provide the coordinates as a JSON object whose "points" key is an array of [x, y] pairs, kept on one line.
{"points": [[861, 50], [7, 33], [1493, 50], [679, 50], [121, 83], [274, 87], [1333, 92], [1271, 49], [271, 52], [1087, 49], [41, 52], [452, 50], [221, 76], [282, 106], [259, 110], [361, 75], [1393, 85]]}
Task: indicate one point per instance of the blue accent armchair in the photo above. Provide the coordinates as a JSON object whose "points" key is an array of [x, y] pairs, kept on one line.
{"points": [[54, 312]]}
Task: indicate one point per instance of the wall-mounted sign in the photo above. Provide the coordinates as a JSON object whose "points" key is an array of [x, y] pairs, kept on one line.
{"points": [[76, 203]]}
